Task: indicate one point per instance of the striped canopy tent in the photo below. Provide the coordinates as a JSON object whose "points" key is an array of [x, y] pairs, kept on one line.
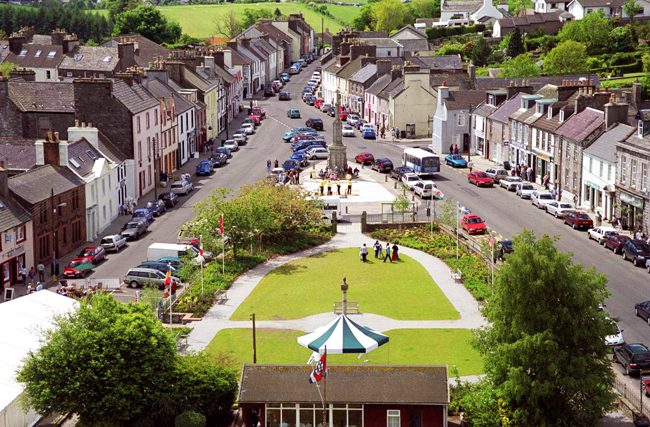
{"points": [[343, 336]]}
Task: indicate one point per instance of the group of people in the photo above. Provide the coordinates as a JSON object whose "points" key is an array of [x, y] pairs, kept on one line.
{"points": [[338, 187], [526, 173], [453, 149], [29, 276], [391, 252]]}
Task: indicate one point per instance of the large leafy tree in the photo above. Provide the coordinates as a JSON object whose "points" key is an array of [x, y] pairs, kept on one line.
{"points": [[568, 57], [365, 19], [592, 31], [521, 66], [631, 8], [252, 15], [389, 15], [515, 44], [481, 52], [544, 349], [621, 39], [115, 7], [149, 22], [227, 24], [425, 8]]}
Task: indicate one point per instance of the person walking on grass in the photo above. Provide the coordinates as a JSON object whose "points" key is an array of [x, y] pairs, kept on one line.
{"points": [[377, 248], [395, 252], [387, 257], [364, 253]]}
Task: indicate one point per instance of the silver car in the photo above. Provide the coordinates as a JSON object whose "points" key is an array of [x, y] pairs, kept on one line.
{"points": [[497, 174], [182, 187], [139, 276], [558, 209], [525, 190], [231, 144], [113, 243], [510, 182], [240, 138], [317, 153], [134, 229]]}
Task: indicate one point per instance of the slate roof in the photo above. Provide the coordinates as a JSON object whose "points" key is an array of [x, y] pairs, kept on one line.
{"points": [[146, 51], [91, 58], [536, 82], [605, 146], [601, 3], [460, 6], [110, 150], [350, 68], [34, 59], [12, 214], [504, 111], [372, 34], [368, 384], [41, 39], [580, 126], [393, 88], [462, 99], [42, 96], [442, 62], [20, 153], [135, 98], [83, 154], [364, 74], [405, 29], [36, 184], [382, 42], [275, 33], [458, 80], [239, 59], [414, 45], [161, 90], [485, 109], [4, 49], [379, 85], [551, 124]]}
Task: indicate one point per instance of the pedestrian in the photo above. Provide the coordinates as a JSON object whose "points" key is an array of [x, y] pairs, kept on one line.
{"points": [[377, 248], [23, 275], [322, 186], [39, 286], [383, 132], [455, 148], [41, 272], [381, 250], [297, 177], [387, 257], [470, 165], [614, 222], [350, 170], [545, 181], [321, 174], [638, 235], [531, 174], [349, 186], [32, 274], [329, 187], [268, 166], [553, 193], [599, 219], [363, 253], [276, 163], [395, 252], [338, 186], [392, 134], [397, 132], [575, 200], [451, 149]]}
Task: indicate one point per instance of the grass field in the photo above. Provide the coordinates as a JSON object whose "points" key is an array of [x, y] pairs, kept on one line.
{"points": [[406, 346], [402, 290], [198, 20]]}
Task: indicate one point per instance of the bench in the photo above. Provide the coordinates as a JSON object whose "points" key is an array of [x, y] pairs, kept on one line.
{"points": [[352, 307], [221, 295], [457, 275]]}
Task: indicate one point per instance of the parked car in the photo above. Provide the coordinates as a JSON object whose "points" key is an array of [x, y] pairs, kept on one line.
{"points": [[364, 158], [255, 119], [285, 77], [250, 121], [480, 179], [232, 145], [113, 243], [219, 159], [137, 277], [558, 209], [368, 133], [473, 224], [204, 168], [504, 247], [182, 187], [293, 113], [160, 266], [170, 199], [616, 338], [284, 96], [541, 199], [382, 165], [301, 158], [353, 119], [635, 358], [359, 124], [409, 180], [347, 130], [315, 123], [637, 251], [77, 268], [599, 233], [317, 153], [510, 182], [397, 172], [240, 138], [134, 229], [143, 213], [289, 136], [305, 130], [93, 254], [455, 161], [291, 165], [427, 189], [156, 207], [578, 220], [525, 191], [497, 174], [249, 128], [268, 91], [615, 242]]}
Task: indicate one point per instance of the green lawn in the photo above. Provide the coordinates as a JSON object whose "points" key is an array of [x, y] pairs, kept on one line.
{"points": [[345, 13], [406, 346], [402, 290]]}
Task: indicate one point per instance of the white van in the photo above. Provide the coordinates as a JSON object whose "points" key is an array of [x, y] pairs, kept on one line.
{"points": [[162, 250], [331, 204]]}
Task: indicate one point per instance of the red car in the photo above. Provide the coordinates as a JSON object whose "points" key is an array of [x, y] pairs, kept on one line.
{"points": [[343, 114], [318, 103], [71, 269], [93, 255], [259, 111], [578, 220], [256, 119], [473, 224], [364, 158], [480, 179], [615, 242]]}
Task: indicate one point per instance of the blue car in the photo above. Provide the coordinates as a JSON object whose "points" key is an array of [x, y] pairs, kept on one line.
{"points": [[285, 77], [289, 165], [300, 157], [289, 136], [456, 161], [204, 168], [143, 213], [311, 100], [369, 133], [225, 151]]}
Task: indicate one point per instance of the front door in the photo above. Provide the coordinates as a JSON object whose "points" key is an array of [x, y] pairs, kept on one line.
{"points": [[465, 142], [415, 419]]}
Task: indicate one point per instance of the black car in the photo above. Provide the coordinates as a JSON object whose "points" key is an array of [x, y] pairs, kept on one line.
{"points": [[157, 207], [504, 247], [642, 310], [315, 123], [638, 251], [158, 265], [268, 91], [399, 171], [170, 199], [635, 358], [382, 165], [219, 159], [284, 96]]}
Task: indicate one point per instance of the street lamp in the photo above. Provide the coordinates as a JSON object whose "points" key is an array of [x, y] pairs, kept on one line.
{"points": [[155, 167], [54, 278]]}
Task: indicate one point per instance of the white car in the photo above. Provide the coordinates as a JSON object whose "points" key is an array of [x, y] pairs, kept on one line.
{"points": [[348, 130], [353, 119], [510, 182], [240, 138], [599, 233], [325, 107], [410, 179], [113, 243], [617, 338], [313, 82], [317, 153], [231, 144], [426, 189], [558, 209], [367, 126], [525, 190], [541, 199], [182, 187], [279, 83], [249, 128]]}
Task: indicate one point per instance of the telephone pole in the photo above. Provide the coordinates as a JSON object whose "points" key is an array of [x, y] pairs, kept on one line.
{"points": [[254, 341]]}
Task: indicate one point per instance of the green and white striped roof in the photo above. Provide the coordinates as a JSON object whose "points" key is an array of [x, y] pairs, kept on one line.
{"points": [[343, 336]]}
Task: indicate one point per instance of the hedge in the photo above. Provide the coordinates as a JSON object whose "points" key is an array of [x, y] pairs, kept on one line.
{"points": [[442, 32]]}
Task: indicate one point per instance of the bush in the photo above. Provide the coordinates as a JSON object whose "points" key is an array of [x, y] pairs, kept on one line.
{"points": [[190, 419], [623, 58], [444, 32]]}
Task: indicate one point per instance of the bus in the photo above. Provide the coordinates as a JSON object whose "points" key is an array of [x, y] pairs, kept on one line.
{"points": [[421, 161]]}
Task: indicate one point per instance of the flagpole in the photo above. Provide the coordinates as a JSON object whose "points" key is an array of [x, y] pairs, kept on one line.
{"points": [[493, 244], [457, 209], [325, 419], [201, 245]]}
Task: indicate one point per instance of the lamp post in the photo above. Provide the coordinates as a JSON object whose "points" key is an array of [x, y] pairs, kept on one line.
{"points": [[54, 278], [155, 167]]}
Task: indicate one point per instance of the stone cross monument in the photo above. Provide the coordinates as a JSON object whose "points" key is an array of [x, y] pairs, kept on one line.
{"points": [[338, 152]]}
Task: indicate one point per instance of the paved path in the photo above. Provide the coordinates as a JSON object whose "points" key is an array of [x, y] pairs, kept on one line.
{"points": [[349, 235]]}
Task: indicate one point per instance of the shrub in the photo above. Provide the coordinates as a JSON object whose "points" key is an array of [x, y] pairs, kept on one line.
{"points": [[190, 419], [622, 58]]}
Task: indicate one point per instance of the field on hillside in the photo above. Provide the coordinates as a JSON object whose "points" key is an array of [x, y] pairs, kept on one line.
{"points": [[198, 20]]}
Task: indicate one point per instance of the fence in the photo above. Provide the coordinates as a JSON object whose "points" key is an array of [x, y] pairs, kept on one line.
{"points": [[398, 218], [632, 394]]}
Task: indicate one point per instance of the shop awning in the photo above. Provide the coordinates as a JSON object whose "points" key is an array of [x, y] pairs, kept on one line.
{"points": [[592, 185], [631, 200]]}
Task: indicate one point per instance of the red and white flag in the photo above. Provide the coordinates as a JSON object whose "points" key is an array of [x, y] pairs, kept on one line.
{"points": [[201, 245], [491, 241], [221, 225], [320, 369]]}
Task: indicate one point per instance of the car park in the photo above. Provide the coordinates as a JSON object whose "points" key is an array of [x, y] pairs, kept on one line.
{"points": [[134, 229], [113, 243], [541, 199], [347, 130], [93, 254], [578, 220], [138, 277], [293, 113], [397, 172], [615, 242], [364, 158], [368, 133], [480, 179], [182, 187], [156, 207], [249, 128], [409, 180], [317, 153], [473, 224], [143, 213], [634, 358], [455, 161], [382, 164], [289, 165], [510, 182], [225, 151], [170, 199], [284, 96], [525, 191], [77, 268], [599, 233], [219, 159], [497, 174], [232, 145], [558, 209], [204, 168], [637, 251], [426, 190]]}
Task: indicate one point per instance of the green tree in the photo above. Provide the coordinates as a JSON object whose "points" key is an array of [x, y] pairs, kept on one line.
{"points": [[227, 24], [104, 356], [190, 419], [522, 66], [6, 68], [631, 9], [545, 349], [425, 8], [365, 19], [149, 22], [592, 31], [568, 57], [515, 44], [481, 52], [621, 39], [389, 15], [514, 6], [252, 15], [115, 7]]}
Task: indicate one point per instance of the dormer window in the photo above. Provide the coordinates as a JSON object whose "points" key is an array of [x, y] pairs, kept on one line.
{"points": [[639, 132], [491, 100], [524, 103], [561, 116], [539, 108]]}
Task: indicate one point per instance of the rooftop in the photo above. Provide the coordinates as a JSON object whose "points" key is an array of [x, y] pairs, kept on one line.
{"points": [[91, 58], [12, 214], [42, 96], [135, 98], [605, 146], [37, 56], [579, 126], [36, 184], [463, 99]]}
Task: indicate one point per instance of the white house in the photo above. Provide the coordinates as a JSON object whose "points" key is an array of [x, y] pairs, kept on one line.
{"points": [[386, 47], [543, 6], [455, 12], [580, 8], [451, 122]]}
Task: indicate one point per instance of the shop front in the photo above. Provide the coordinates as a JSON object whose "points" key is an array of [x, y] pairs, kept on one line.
{"points": [[519, 154], [543, 165], [631, 210], [10, 264]]}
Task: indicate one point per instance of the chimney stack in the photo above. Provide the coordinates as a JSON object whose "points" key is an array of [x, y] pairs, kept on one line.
{"points": [[4, 183], [126, 55], [16, 42], [383, 67], [57, 36]]}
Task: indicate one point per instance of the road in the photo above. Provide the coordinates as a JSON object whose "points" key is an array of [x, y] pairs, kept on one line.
{"points": [[502, 211]]}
